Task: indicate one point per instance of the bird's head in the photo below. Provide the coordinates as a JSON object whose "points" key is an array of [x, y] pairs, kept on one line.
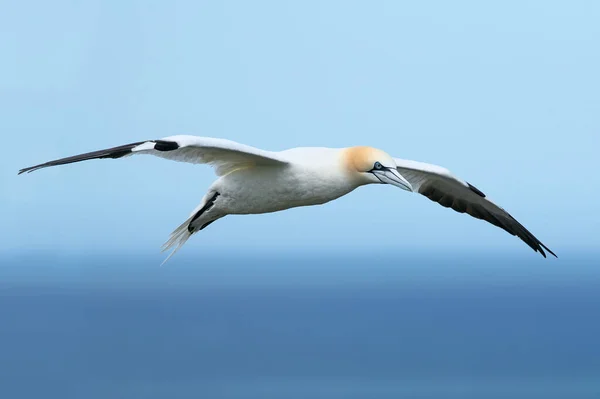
{"points": [[370, 165]]}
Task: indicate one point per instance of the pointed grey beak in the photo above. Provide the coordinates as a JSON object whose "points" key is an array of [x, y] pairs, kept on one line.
{"points": [[393, 177]]}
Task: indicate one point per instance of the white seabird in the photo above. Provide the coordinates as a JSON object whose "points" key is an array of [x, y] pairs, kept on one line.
{"points": [[253, 181]]}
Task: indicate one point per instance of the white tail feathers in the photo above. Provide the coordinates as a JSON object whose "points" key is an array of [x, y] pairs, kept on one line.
{"points": [[178, 237], [181, 234]]}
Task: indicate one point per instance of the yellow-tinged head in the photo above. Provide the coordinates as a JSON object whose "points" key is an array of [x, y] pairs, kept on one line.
{"points": [[371, 165]]}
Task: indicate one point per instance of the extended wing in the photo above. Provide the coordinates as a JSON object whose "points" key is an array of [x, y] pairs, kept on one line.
{"points": [[440, 185], [224, 155]]}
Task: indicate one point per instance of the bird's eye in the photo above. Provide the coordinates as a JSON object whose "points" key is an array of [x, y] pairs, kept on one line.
{"points": [[378, 165]]}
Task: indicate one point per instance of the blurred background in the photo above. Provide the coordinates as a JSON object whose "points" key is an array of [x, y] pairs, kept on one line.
{"points": [[299, 303]]}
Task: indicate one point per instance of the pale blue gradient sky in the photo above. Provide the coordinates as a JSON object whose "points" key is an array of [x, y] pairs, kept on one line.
{"points": [[506, 95]]}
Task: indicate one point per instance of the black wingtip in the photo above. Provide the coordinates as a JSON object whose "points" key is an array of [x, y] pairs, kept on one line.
{"points": [[540, 248], [31, 169], [542, 252], [115, 152], [549, 251]]}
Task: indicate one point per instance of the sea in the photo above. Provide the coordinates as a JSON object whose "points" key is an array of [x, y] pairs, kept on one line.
{"points": [[296, 325]]}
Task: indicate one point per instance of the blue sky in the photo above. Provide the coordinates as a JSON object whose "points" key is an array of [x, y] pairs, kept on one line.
{"points": [[505, 94]]}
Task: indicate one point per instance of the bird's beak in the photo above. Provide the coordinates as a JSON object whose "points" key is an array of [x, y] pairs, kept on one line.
{"points": [[393, 177]]}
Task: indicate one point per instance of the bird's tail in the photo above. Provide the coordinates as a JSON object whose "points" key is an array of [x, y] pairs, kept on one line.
{"points": [[197, 221], [178, 237]]}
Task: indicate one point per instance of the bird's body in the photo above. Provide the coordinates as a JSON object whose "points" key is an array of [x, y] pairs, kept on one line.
{"points": [[254, 181], [313, 180]]}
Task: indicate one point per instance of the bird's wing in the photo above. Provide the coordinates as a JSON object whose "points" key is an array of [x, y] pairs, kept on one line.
{"points": [[440, 185], [223, 155]]}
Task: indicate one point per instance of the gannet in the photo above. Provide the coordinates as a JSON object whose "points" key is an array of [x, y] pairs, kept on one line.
{"points": [[255, 181]]}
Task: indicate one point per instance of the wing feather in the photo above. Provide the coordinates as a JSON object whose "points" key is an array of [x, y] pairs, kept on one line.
{"points": [[223, 155], [441, 186]]}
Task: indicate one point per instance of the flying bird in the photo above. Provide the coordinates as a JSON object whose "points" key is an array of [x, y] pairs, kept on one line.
{"points": [[254, 181]]}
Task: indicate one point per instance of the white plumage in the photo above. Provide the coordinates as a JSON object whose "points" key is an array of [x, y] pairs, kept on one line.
{"points": [[254, 181]]}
